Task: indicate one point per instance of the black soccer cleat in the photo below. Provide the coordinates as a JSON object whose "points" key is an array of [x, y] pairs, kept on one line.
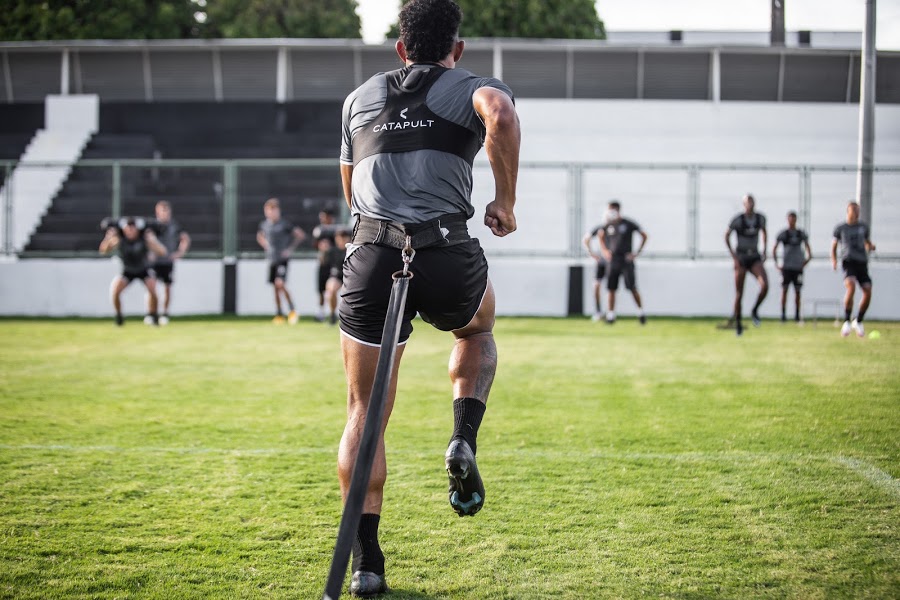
{"points": [[739, 328], [466, 488], [120, 320], [366, 584], [756, 320], [642, 319]]}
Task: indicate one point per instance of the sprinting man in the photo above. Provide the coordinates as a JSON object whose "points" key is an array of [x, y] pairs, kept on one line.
{"points": [[177, 242], [797, 255], [616, 246], [599, 272], [134, 241], [323, 237], [853, 237], [279, 238], [416, 180], [748, 226]]}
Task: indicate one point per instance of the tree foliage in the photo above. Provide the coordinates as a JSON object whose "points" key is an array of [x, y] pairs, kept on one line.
{"points": [[24, 20], [561, 19], [282, 18]]}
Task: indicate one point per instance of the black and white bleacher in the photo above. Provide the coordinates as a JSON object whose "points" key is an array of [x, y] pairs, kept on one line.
{"points": [[189, 131]]}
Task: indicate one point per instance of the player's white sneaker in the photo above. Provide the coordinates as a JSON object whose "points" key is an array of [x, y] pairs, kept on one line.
{"points": [[148, 320], [596, 317], [163, 320], [845, 329], [858, 328]]}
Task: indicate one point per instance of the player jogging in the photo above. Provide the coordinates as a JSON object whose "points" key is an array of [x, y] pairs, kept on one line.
{"points": [[278, 237], [408, 142], [134, 242], [599, 272], [177, 242], [797, 255], [616, 246], [853, 237], [747, 227], [333, 264]]}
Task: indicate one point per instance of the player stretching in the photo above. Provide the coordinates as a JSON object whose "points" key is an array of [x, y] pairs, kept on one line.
{"points": [[795, 260], [853, 236], [278, 237], [747, 227], [615, 244], [135, 242]]}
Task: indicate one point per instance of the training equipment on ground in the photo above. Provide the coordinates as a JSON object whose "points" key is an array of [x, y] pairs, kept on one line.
{"points": [[874, 334], [362, 468]]}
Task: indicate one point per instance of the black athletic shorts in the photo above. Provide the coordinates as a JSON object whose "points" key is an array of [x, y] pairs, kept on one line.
{"points": [[132, 275], [601, 270], [278, 271], [163, 272], [748, 259], [617, 268], [324, 274], [789, 276], [446, 289], [857, 270]]}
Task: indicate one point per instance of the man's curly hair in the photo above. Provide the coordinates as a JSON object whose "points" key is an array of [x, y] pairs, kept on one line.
{"points": [[428, 28]]}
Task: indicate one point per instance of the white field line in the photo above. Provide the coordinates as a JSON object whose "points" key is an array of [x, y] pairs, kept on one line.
{"points": [[865, 470]]}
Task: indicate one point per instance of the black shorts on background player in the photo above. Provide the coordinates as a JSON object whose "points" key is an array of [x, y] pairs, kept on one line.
{"points": [[601, 270], [857, 270], [748, 259], [278, 271], [446, 289], [132, 275], [791, 276], [621, 268], [163, 272]]}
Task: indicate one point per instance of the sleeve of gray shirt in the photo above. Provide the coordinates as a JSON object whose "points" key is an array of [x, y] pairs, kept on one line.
{"points": [[360, 107]]}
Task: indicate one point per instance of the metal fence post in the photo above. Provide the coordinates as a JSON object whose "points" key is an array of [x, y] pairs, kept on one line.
{"points": [[576, 209], [7, 209], [229, 211], [693, 210], [116, 190]]}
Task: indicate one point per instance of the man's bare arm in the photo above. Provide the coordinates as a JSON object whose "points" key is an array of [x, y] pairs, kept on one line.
{"points": [[154, 245], [834, 244], [110, 241], [502, 142], [261, 240], [808, 253], [346, 181], [184, 244]]}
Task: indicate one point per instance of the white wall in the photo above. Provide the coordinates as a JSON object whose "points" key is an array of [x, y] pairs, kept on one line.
{"points": [[701, 132], [524, 287]]}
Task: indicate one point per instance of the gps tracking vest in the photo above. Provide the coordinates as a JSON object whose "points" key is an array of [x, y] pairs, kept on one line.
{"points": [[406, 124]]}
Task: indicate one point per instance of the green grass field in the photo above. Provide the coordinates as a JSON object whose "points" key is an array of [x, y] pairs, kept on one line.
{"points": [[674, 460]]}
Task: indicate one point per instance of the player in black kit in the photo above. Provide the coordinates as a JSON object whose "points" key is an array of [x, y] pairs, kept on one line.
{"points": [[615, 243], [333, 265], [135, 241], [600, 271], [853, 236], [795, 260], [747, 226], [177, 242]]}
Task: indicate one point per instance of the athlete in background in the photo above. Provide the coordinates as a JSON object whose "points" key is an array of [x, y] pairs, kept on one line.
{"points": [[747, 227]]}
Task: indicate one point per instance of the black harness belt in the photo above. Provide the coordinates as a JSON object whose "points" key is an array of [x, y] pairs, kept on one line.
{"points": [[446, 230]]}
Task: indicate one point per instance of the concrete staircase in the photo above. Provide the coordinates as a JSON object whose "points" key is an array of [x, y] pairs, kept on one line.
{"points": [[70, 121]]}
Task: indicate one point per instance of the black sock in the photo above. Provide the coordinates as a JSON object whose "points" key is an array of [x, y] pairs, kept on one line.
{"points": [[847, 313], [367, 554], [467, 415], [860, 316]]}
